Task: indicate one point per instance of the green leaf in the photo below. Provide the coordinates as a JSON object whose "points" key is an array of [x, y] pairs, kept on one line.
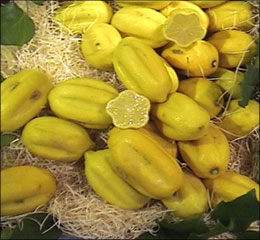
{"points": [[179, 230], [250, 235], [16, 27], [6, 139], [165, 234], [6, 234], [234, 216], [193, 225], [32, 230], [147, 236], [238, 214], [250, 82], [2, 79], [215, 229], [39, 2]]}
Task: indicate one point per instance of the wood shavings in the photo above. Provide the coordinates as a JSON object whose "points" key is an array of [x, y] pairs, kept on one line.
{"points": [[241, 154], [91, 217]]}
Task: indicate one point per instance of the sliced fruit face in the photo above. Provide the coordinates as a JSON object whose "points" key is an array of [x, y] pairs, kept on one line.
{"points": [[129, 110]]}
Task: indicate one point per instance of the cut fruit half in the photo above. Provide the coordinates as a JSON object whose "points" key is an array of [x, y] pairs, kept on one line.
{"points": [[184, 27], [129, 110]]}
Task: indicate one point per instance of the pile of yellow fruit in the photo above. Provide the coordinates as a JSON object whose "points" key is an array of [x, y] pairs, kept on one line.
{"points": [[165, 53]]}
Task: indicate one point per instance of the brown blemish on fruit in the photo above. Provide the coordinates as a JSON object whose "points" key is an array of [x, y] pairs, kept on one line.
{"points": [[177, 51], [121, 173], [19, 201], [175, 194], [200, 128], [36, 95]]}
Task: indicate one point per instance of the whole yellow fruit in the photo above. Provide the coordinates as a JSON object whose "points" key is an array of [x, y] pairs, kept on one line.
{"points": [[24, 188], [56, 139], [23, 95], [229, 81], [208, 4], [239, 121], [141, 22], [229, 186], [235, 47], [84, 101], [78, 16], [142, 70], [198, 60], [149, 4], [107, 184], [98, 44], [231, 15], [180, 118], [141, 161], [190, 200], [208, 156], [205, 92]]}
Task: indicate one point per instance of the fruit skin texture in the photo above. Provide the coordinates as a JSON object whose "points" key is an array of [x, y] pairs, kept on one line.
{"points": [[144, 163], [198, 60], [205, 92], [141, 22], [233, 14], [79, 16], [229, 81], [25, 188], [240, 121], [168, 145], [149, 4], [207, 4], [208, 156], [23, 95], [56, 139], [98, 44], [180, 118], [234, 47], [190, 200], [230, 186], [107, 184], [142, 70], [83, 100]]}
